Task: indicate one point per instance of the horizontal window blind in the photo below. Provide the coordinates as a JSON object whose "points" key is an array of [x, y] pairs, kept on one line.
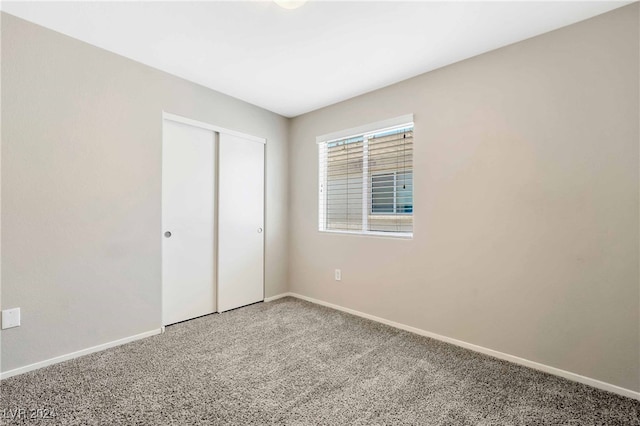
{"points": [[366, 182]]}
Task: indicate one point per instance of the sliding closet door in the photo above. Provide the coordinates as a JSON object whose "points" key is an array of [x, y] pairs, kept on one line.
{"points": [[188, 194], [240, 222]]}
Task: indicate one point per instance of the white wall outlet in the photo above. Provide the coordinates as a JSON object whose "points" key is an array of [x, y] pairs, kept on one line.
{"points": [[11, 318], [338, 275]]}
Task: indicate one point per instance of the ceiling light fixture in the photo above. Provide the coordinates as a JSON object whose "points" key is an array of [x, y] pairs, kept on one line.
{"points": [[290, 4]]}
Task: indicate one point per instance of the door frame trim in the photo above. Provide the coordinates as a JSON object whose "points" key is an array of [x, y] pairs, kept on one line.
{"points": [[196, 123]]}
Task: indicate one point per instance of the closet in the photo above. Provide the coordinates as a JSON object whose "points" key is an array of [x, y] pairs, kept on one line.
{"points": [[212, 219]]}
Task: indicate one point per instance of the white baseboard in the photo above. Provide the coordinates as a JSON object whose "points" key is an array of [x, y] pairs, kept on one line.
{"points": [[277, 296], [87, 351], [496, 354]]}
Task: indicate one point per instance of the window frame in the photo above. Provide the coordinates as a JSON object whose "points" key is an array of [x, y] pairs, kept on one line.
{"points": [[366, 132]]}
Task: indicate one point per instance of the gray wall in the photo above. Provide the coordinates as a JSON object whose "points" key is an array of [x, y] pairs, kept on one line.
{"points": [[526, 203], [81, 186]]}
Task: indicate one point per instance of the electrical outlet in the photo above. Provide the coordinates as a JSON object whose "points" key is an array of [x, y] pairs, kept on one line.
{"points": [[338, 275], [11, 318]]}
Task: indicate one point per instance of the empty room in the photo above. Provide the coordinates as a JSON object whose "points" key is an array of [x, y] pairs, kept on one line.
{"points": [[320, 213]]}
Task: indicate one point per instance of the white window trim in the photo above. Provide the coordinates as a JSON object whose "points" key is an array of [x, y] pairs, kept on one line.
{"points": [[394, 235], [366, 131]]}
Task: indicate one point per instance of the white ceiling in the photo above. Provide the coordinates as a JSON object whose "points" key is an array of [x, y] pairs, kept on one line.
{"points": [[295, 61]]}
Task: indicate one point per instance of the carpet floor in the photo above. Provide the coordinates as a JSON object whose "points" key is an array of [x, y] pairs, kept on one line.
{"points": [[292, 362]]}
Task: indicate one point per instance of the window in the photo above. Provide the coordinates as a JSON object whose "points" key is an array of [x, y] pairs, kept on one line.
{"points": [[366, 179]]}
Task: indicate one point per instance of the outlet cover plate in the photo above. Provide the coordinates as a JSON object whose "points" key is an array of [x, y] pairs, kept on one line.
{"points": [[10, 318]]}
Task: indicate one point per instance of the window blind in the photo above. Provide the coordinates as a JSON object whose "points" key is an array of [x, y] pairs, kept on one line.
{"points": [[366, 182]]}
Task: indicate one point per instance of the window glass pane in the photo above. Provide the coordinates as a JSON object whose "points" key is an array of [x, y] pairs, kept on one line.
{"points": [[382, 189], [344, 185], [404, 192]]}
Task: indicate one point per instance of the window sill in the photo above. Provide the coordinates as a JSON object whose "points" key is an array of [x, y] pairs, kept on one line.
{"points": [[393, 235]]}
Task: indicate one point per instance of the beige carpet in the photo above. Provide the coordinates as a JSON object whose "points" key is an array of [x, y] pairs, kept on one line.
{"points": [[291, 362]]}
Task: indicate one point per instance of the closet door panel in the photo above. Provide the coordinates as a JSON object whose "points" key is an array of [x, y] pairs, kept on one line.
{"points": [[188, 226], [240, 222]]}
